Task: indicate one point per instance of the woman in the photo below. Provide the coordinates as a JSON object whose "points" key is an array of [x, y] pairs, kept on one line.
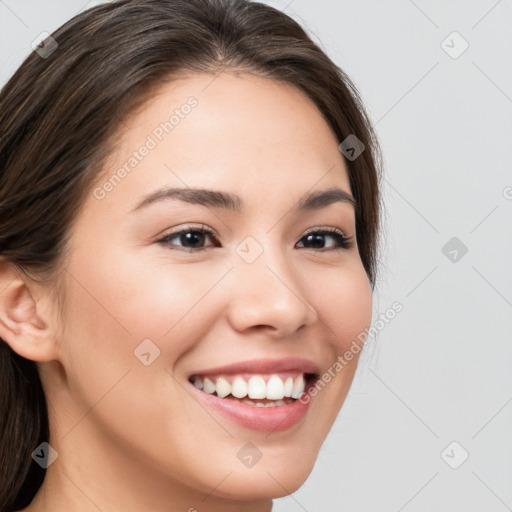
{"points": [[188, 235]]}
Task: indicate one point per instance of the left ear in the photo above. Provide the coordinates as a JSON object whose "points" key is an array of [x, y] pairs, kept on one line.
{"points": [[25, 324]]}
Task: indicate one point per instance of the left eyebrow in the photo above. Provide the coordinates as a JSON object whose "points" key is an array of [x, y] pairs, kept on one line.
{"points": [[321, 199], [229, 201]]}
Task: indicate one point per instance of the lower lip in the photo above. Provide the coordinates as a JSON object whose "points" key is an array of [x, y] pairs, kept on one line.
{"points": [[263, 419]]}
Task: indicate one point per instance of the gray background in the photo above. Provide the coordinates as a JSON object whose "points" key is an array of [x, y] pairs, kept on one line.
{"points": [[440, 371]]}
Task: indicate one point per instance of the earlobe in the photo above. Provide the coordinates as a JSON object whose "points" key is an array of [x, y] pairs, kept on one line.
{"points": [[21, 325]]}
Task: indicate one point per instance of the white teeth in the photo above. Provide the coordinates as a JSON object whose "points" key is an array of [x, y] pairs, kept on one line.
{"points": [[298, 386], [275, 388], [208, 386], [257, 387], [268, 404], [223, 387], [288, 386], [239, 388]]}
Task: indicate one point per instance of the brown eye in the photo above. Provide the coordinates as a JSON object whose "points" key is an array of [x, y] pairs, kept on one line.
{"points": [[189, 239], [317, 239]]}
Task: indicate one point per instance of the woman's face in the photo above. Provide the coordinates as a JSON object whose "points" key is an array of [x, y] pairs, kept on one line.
{"points": [[147, 311]]}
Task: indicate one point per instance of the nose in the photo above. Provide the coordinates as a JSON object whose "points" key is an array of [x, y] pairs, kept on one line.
{"points": [[268, 295]]}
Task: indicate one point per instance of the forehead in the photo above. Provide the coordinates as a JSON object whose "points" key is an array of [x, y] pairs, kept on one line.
{"points": [[244, 133]]}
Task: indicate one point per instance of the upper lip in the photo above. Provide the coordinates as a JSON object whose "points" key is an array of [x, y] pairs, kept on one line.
{"points": [[264, 366]]}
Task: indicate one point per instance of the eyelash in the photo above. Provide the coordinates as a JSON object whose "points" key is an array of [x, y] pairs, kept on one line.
{"points": [[345, 242]]}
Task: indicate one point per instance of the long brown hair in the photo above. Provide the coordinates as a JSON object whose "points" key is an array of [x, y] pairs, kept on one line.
{"points": [[58, 114]]}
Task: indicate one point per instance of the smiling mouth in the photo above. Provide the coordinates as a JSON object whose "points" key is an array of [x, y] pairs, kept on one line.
{"points": [[259, 390]]}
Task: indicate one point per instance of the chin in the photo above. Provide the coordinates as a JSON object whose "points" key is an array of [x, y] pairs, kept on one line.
{"points": [[264, 483]]}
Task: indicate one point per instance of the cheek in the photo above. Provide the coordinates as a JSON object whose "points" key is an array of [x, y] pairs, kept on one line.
{"points": [[119, 301], [343, 300], [344, 303]]}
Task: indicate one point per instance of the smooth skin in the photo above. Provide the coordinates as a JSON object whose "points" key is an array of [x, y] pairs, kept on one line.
{"points": [[131, 437]]}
